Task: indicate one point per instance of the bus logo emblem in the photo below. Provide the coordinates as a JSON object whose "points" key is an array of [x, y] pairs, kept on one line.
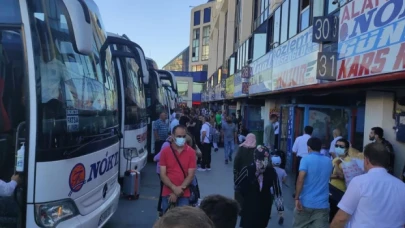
{"points": [[77, 178]]}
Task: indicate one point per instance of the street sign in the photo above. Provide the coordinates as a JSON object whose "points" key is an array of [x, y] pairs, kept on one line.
{"points": [[326, 66], [325, 29]]}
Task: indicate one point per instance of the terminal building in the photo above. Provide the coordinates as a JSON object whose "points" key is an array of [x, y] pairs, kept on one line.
{"points": [[191, 65], [331, 64]]}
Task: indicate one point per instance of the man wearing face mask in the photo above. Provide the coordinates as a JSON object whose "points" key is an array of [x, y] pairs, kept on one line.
{"points": [[174, 160], [377, 136], [374, 199]]}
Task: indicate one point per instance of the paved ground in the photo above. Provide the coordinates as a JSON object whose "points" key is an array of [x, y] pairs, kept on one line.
{"points": [[142, 213]]}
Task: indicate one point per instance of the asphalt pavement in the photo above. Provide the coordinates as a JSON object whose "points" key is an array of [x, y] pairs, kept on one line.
{"points": [[142, 213]]}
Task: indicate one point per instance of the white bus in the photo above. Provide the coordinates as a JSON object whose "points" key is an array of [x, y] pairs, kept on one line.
{"points": [[132, 71], [169, 81], [61, 101]]}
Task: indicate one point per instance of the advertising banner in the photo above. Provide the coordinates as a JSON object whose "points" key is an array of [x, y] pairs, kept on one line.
{"points": [[217, 92], [294, 62], [261, 80], [371, 38], [223, 86], [238, 85], [229, 87]]}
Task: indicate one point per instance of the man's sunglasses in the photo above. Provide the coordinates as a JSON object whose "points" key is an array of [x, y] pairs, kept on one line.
{"points": [[340, 146]]}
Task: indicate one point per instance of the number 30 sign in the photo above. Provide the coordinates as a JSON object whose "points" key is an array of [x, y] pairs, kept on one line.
{"points": [[325, 29]]}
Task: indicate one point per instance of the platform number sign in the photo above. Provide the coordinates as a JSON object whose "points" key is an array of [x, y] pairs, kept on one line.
{"points": [[326, 66], [325, 29]]}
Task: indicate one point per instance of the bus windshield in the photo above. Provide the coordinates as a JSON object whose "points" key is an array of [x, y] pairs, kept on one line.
{"points": [[135, 108], [76, 104]]}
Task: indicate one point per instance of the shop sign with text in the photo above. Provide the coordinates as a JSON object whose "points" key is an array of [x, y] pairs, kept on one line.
{"points": [[261, 79], [229, 87], [238, 85], [371, 39], [294, 62], [218, 92]]}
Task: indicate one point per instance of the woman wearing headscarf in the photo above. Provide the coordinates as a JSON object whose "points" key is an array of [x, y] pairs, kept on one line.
{"points": [[256, 191], [243, 158]]}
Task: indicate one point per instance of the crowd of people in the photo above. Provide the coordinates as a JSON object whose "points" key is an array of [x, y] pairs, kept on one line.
{"points": [[342, 187]]}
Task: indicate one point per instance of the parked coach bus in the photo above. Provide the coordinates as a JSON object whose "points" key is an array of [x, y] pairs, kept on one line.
{"points": [[132, 71], [58, 113]]}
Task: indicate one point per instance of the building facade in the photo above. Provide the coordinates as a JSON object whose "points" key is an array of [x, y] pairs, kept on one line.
{"points": [[200, 30], [331, 64], [180, 62], [190, 86]]}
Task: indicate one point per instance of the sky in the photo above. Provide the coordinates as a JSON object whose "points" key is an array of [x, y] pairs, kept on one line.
{"points": [[160, 27]]}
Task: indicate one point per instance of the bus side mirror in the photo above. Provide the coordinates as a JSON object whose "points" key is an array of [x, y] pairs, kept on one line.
{"points": [[79, 17], [144, 66]]}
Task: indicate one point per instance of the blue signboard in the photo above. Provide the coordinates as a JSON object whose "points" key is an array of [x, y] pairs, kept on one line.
{"points": [[290, 137], [325, 29], [261, 80]]}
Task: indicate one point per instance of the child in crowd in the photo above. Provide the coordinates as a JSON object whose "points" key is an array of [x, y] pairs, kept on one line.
{"points": [[282, 177]]}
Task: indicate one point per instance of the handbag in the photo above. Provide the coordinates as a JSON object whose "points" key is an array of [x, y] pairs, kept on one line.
{"points": [[194, 193]]}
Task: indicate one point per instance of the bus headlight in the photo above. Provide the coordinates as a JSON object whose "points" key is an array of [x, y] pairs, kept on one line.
{"points": [[50, 214], [130, 153]]}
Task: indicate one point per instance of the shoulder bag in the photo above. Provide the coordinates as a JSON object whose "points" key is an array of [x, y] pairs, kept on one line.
{"points": [[194, 192]]}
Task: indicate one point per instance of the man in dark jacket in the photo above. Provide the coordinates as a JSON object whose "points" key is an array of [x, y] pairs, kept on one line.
{"points": [[377, 135]]}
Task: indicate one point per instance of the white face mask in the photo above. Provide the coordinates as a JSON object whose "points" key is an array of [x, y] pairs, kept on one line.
{"points": [[339, 151], [180, 141]]}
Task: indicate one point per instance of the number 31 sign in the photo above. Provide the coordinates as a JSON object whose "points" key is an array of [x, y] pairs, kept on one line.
{"points": [[325, 29]]}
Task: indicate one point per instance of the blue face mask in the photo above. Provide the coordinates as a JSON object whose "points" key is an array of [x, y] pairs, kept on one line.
{"points": [[339, 151], [180, 141]]}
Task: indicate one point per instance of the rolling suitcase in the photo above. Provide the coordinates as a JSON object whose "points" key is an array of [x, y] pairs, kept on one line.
{"points": [[132, 181]]}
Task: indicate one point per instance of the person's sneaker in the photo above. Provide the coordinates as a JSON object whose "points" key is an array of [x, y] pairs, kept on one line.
{"points": [[230, 158], [216, 150], [209, 169], [226, 162], [201, 169], [281, 220]]}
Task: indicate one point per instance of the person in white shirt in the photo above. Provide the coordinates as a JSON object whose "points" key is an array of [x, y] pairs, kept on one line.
{"points": [[300, 147], [375, 199], [336, 136], [205, 144], [174, 122], [7, 189]]}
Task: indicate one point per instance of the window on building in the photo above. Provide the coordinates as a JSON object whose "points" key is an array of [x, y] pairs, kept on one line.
{"points": [[293, 29], [276, 31], [246, 52], [284, 22], [270, 30], [305, 15], [196, 45], [196, 68], [238, 61], [207, 15], [231, 65], [205, 67], [206, 42], [197, 87], [197, 17], [259, 45], [331, 7], [182, 88]]}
